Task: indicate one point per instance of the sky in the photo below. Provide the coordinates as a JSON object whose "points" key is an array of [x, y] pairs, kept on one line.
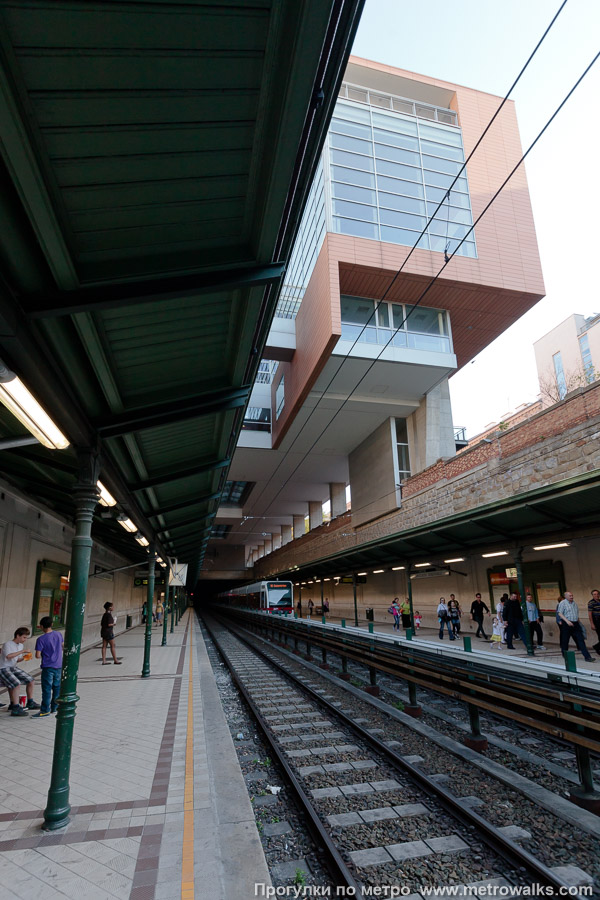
{"points": [[483, 45]]}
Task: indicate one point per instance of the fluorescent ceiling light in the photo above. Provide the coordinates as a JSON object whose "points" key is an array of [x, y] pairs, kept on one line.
{"points": [[456, 559], [497, 553], [421, 565], [142, 541], [361, 573], [22, 404], [327, 579], [552, 546], [378, 571], [127, 524], [106, 498], [398, 568]]}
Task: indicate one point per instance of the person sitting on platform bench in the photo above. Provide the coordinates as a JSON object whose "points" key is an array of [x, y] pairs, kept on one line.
{"points": [[12, 677]]}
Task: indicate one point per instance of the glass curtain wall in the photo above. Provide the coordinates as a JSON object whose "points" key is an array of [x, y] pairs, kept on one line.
{"points": [[388, 174]]}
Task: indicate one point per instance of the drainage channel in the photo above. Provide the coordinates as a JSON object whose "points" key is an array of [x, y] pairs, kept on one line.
{"points": [[363, 824]]}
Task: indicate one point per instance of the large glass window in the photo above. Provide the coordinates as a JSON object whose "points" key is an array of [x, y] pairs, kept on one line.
{"points": [[402, 448], [397, 324], [391, 163], [586, 358], [559, 372], [280, 397]]}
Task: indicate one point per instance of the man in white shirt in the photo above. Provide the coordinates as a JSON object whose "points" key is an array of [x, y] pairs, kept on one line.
{"points": [[12, 677], [568, 622]]}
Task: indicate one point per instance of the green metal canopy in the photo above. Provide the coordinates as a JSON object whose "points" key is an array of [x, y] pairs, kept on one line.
{"points": [[155, 162]]}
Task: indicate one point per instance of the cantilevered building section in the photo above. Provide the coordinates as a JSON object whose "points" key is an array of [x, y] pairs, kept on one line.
{"points": [[354, 391]]}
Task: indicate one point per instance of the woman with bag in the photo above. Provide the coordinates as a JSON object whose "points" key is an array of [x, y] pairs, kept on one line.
{"points": [[394, 610], [454, 613]]}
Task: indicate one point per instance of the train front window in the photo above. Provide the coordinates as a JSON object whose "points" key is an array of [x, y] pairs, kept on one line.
{"points": [[280, 594]]}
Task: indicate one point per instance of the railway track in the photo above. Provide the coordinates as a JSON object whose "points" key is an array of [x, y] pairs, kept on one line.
{"points": [[380, 820]]}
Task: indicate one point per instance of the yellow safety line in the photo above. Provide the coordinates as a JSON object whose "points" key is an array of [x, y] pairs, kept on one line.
{"points": [[187, 864]]}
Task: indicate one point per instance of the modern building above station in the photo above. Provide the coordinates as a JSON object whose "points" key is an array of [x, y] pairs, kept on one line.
{"points": [[389, 290]]}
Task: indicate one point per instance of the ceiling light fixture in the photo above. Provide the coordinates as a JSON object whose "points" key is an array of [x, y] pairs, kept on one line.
{"points": [[398, 568], [378, 571], [552, 546], [22, 404], [421, 565], [497, 553], [360, 574], [105, 498], [142, 541], [456, 559], [127, 524]]}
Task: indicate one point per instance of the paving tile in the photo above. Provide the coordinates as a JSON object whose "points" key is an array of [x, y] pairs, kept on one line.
{"points": [[375, 856], [514, 832], [360, 788], [411, 809], [378, 815], [388, 784], [447, 843], [276, 828], [408, 850], [286, 871], [413, 760], [337, 767], [311, 770], [344, 819], [326, 792], [364, 764]]}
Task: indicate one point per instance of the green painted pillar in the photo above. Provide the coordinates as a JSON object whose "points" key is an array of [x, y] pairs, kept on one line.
{"points": [[56, 814], [173, 609], [521, 583], [150, 598], [410, 597], [163, 643], [355, 606]]}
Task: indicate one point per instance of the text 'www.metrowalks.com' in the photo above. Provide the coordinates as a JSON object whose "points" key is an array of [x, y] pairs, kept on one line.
{"points": [[387, 891]]}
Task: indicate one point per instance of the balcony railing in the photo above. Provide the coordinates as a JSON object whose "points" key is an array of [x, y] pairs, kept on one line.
{"points": [[257, 418], [412, 340], [398, 104]]}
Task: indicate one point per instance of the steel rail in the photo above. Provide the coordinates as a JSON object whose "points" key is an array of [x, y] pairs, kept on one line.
{"points": [[504, 847], [336, 865], [560, 712]]}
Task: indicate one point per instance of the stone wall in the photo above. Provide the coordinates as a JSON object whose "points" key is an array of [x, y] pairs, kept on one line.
{"points": [[559, 443]]}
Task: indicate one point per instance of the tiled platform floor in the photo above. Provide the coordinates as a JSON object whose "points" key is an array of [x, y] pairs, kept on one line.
{"points": [[125, 838]]}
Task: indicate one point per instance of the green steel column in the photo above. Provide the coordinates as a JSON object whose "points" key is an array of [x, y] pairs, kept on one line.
{"points": [[521, 583], [410, 600], [163, 643], [56, 814], [173, 609], [355, 607], [150, 598]]}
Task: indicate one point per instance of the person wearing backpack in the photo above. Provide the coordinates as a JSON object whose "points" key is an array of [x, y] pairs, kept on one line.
{"points": [[394, 611]]}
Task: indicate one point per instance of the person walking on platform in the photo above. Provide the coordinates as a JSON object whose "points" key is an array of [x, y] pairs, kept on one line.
{"points": [[405, 614], [311, 606], [478, 608], [107, 634], [49, 648], [534, 619], [455, 612], [594, 616], [394, 610], [325, 610], [567, 615], [513, 616], [444, 619]]}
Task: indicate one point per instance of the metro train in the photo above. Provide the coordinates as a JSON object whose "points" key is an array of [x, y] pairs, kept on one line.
{"points": [[271, 596]]}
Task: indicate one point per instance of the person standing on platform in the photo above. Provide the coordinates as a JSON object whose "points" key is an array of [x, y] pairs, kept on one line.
{"points": [[513, 616], [299, 609], [534, 619], [394, 610], [570, 627], [49, 648], [311, 606], [107, 634], [325, 607], [594, 616], [478, 608], [444, 619], [405, 614]]}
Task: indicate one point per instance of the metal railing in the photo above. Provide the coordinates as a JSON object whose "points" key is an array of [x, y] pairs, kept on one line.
{"points": [[398, 104]]}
